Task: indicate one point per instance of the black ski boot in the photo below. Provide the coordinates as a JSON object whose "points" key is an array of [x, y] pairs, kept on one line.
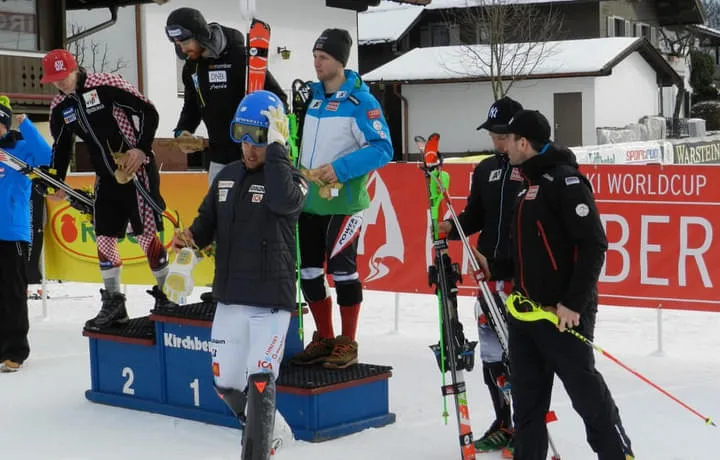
{"points": [[161, 300], [112, 311], [207, 297]]}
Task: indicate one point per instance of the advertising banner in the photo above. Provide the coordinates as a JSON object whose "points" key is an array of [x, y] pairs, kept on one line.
{"points": [[70, 251], [660, 222], [697, 152], [625, 153]]}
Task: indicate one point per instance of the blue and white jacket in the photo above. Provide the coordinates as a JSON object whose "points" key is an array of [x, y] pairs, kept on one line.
{"points": [[29, 146], [349, 131]]}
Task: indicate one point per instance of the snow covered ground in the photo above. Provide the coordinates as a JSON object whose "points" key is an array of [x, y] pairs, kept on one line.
{"points": [[45, 415]]}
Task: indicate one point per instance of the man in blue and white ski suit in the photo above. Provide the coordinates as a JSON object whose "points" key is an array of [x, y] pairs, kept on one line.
{"points": [[15, 233], [345, 137]]}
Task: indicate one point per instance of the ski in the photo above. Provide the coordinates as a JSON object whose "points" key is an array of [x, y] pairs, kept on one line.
{"points": [[496, 318], [258, 39], [301, 94], [82, 201], [454, 353]]}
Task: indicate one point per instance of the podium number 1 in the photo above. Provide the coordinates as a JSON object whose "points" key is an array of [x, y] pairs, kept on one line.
{"points": [[195, 385], [130, 376]]}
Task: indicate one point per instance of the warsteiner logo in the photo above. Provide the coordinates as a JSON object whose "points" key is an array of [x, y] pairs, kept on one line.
{"points": [[74, 234]]}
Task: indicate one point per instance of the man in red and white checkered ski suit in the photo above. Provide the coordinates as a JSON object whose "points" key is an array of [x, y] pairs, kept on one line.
{"points": [[118, 125]]}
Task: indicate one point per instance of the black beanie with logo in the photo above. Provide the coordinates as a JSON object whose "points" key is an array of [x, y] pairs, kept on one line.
{"points": [[335, 42]]}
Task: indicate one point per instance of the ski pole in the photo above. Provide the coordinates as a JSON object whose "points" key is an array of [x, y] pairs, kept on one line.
{"points": [[538, 313]]}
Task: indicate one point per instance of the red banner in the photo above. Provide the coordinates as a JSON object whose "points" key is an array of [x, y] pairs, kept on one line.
{"points": [[660, 223]]}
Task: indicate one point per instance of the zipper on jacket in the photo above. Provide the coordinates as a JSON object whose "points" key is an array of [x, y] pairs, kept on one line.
{"points": [[264, 261], [541, 231], [519, 240], [83, 120], [196, 81], [500, 210]]}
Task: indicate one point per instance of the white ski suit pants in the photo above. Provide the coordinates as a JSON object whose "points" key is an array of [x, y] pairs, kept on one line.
{"points": [[246, 340]]}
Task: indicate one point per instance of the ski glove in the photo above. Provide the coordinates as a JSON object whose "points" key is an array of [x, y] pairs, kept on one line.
{"points": [[279, 129]]}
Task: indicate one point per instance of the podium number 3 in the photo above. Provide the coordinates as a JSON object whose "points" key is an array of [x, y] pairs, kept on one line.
{"points": [[128, 374]]}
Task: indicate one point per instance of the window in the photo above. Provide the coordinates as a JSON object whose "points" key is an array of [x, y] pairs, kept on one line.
{"points": [[618, 27], [17, 25], [642, 30], [435, 34]]}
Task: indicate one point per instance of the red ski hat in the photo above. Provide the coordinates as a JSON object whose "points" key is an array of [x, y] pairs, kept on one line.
{"points": [[57, 65]]}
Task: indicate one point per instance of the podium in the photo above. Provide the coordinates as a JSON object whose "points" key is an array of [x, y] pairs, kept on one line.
{"points": [[161, 363]]}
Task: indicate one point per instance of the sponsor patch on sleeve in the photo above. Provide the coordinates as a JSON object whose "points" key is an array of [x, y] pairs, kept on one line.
{"points": [[373, 114], [572, 180], [582, 210]]}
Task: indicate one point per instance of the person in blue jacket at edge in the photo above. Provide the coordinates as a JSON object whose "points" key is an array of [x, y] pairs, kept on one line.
{"points": [[28, 145]]}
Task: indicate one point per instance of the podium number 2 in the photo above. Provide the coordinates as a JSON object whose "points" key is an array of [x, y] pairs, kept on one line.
{"points": [[195, 385], [130, 376]]}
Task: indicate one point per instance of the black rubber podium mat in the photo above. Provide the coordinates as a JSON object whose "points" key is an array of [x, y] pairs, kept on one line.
{"points": [[311, 377], [201, 311], [138, 329]]}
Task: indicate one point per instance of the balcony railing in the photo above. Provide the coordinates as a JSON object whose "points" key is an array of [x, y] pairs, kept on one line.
{"points": [[20, 73]]}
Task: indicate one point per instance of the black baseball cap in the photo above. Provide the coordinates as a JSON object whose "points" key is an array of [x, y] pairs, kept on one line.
{"points": [[531, 125], [500, 114]]}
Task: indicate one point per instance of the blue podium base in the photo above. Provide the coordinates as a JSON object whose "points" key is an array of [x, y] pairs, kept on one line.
{"points": [[343, 430], [129, 402], [162, 364]]}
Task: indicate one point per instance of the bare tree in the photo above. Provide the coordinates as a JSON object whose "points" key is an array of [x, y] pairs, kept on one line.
{"points": [[93, 55], [678, 42], [510, 40], [712, 12]]}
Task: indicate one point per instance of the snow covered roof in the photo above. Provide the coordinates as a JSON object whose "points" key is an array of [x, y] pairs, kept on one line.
{"points": [[389, 21], [445, 4], [595, 56], [386, 25]]}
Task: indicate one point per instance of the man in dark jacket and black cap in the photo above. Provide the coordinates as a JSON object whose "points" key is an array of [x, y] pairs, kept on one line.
{"points": [[559, 248], [214, 78], [494, 185]]}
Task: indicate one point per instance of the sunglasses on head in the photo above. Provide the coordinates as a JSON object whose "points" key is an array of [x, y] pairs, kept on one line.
{"points": [[254, 135], [178, 33]]}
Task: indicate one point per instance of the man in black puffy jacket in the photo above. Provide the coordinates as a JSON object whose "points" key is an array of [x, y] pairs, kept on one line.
{"points": [[214, 79], [559, 246], [251, 211]]}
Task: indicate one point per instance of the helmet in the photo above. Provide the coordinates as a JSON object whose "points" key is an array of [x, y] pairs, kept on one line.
{"points": [[249, 124]]}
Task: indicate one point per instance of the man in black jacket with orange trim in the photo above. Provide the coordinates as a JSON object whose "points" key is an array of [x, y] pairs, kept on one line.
{"points": [[559, 246], [214, 79]]}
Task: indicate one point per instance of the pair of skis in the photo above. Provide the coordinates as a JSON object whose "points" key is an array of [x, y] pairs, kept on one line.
{"points": [[459, 350], [83, 201]]}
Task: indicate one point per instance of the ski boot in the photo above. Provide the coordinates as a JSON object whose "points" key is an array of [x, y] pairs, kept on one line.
{"points": [[112, 311], [161, 300]]}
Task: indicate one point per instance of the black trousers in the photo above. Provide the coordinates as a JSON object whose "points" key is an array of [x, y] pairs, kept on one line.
{"points": [[38, 224], [14, 324], [538, 351]]}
